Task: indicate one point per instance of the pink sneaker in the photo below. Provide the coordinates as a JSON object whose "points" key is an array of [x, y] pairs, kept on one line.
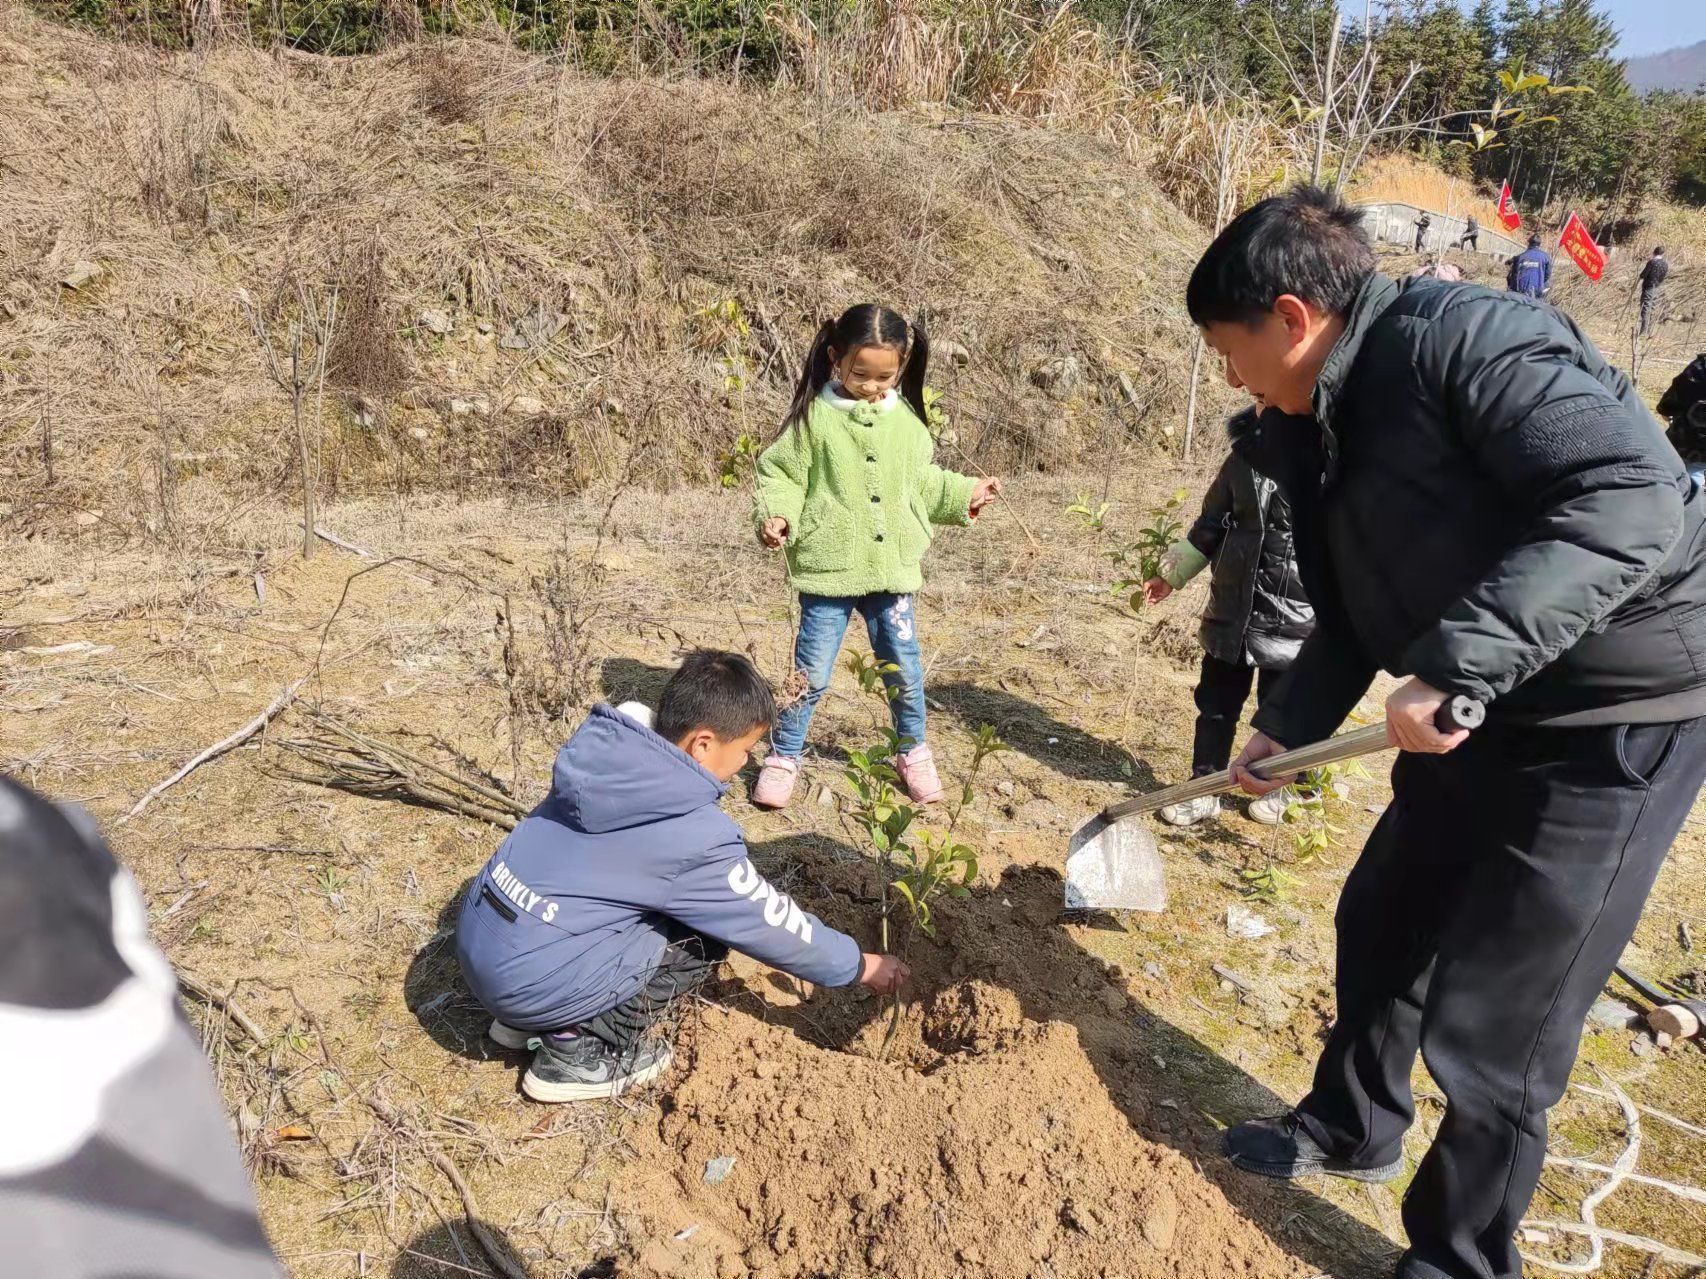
{"points": [[775, 786], [918, 771]]}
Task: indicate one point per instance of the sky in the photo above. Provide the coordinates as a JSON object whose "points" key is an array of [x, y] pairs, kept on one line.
{"points": [[1647, 26], [1652, 26]]}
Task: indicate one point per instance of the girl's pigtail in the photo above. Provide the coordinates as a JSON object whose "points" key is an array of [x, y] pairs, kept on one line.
{"points": [[917, 368], [814, 375]]}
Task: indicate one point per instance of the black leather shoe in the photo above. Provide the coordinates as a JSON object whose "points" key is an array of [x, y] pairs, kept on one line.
{"points": [[1281, 1147]]}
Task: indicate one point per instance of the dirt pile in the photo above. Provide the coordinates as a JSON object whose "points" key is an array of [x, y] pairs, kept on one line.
{"points": [[1015, 1122], [1008, 1159]]}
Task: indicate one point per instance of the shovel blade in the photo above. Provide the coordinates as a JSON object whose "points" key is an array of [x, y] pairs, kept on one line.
{"points": [[1114, 866]]}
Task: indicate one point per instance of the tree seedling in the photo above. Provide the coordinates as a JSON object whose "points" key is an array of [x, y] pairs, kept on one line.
{"points": [[1141, 560], [1093, 513], [920, 867], [1308, 821]]}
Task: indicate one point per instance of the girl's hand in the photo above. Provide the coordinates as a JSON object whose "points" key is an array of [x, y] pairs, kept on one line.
{"points": [[882, 973], [774, 532], [1155, 590], [983, 494]]}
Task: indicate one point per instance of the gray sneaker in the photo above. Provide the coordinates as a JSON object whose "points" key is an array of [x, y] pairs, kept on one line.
{"points": [[1188, 812], [506, 1036], [584, 1068]]}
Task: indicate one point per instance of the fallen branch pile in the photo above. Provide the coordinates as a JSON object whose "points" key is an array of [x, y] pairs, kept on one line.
{"points": [[345, 759]]}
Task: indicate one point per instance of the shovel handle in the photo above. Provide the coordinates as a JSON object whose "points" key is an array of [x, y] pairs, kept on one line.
{"points": [[1458, 713]]}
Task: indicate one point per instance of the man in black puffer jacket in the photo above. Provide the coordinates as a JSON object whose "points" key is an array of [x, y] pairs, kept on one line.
{"points": [[1256, 619], [1483, 505]]}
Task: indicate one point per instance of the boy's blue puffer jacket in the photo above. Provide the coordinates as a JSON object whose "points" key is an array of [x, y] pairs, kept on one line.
{"points": [[567, 919]]}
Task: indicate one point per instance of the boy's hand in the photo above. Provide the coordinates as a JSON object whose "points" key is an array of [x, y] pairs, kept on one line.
{"points": [[774, 531], [882, 973], [1155, 590], [983, 494], [1259, 747]]}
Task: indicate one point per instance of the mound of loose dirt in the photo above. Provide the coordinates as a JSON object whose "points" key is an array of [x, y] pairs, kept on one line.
{"points": [[1002, 1128], [1007, 1159]]}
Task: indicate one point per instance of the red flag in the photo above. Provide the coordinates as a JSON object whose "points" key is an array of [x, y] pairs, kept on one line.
{"points": [[1576, 241], [1507, 209]]}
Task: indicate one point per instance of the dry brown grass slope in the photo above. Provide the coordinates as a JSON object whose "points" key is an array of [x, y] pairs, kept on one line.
{"points": [[572, 235]]}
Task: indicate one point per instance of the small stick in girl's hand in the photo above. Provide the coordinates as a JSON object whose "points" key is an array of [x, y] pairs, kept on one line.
{"points": [[996, 491]]}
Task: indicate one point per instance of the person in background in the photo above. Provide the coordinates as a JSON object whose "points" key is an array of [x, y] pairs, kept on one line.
{"points": [[1256, 619], [1437, 270], [1471, 237], [115, 1154], [1530, 272], [1422, 225], [1652, 282]]}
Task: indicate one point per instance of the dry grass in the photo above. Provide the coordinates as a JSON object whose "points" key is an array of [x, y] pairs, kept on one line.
{"points": [[1406, 180], [570, 230]]}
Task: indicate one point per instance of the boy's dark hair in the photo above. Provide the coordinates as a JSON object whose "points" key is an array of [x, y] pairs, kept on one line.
{"points": [[1534, 241], [1308, 243], [866, 324], [718, 691]]}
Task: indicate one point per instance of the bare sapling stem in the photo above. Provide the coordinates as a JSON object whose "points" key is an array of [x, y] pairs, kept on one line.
{"points": [[296, 388]]}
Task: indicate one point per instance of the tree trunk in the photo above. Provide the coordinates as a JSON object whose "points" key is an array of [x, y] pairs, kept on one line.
{"points": [[1326, 104]]}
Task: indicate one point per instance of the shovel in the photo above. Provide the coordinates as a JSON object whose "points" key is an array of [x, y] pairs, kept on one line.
{"points": [[1114, 864]]}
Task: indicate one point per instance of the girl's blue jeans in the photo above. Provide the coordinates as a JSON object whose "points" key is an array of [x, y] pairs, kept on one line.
{"points": [[893, 627]]}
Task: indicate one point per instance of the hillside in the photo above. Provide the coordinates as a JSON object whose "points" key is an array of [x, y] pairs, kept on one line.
{"points": [[528, 278], [537, 317], [1682, 69]]}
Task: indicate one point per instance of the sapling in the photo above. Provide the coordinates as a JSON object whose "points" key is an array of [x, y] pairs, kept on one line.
{"points": [[1144, 554], [919, 867], [1093, 513], [1308, 820]]}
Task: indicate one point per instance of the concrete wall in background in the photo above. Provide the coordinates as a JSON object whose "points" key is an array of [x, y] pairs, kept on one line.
{"points": [[1396, 224]]}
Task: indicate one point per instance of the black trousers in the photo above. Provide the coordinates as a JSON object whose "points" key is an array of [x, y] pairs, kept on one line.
{"points": [[1479, 924], [1220, 695], [687, 962]]}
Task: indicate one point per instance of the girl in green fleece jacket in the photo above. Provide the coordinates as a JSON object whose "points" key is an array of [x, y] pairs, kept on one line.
{"points": [[849, 491]]}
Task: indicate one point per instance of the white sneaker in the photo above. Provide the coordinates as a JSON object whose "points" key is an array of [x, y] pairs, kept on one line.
{"points": [[1188, 812], [1269, 809]]}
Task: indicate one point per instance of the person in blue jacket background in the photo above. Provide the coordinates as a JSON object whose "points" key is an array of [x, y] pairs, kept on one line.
{"points": [[1530, 272], [627, 886]]}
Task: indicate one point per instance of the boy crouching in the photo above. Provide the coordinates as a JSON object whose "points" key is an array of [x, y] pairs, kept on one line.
{"points": [[627, 886]]}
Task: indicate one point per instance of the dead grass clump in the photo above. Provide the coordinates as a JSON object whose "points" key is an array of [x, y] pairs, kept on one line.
{"points": [[366, 359], [445, 84], [176, 151]]}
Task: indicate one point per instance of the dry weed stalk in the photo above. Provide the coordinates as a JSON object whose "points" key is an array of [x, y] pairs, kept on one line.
{"points": [[299, 382], [365, 764]]}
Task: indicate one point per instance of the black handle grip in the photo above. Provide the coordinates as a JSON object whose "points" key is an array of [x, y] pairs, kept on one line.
{"points": [[1460, 712]]}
